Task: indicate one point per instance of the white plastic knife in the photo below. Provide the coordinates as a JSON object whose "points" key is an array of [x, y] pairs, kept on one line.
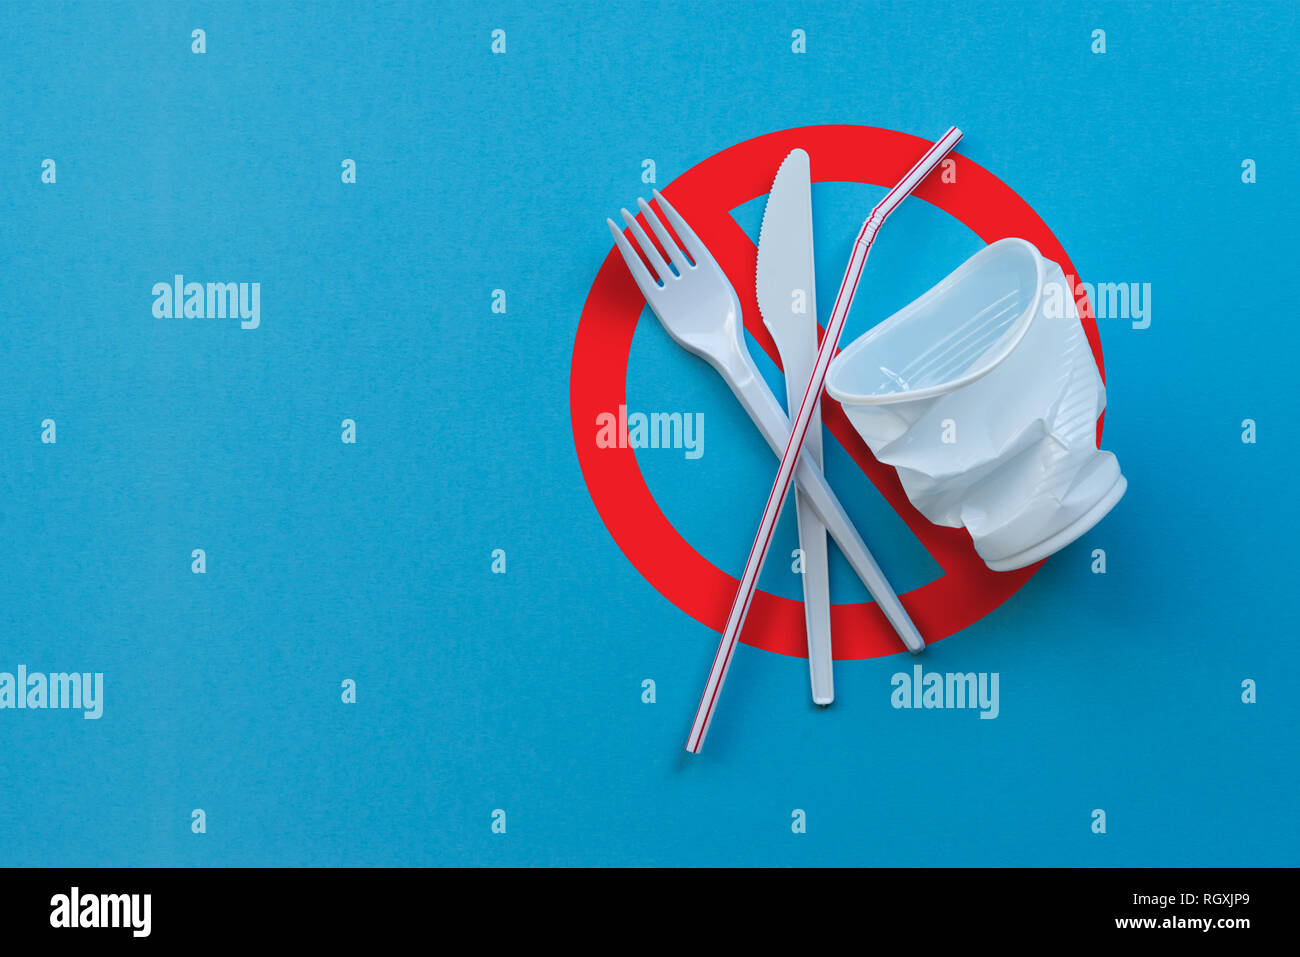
{"points": [[787, 298]]}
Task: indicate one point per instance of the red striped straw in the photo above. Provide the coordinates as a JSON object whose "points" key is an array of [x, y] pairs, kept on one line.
{"points": [[799, 429]]}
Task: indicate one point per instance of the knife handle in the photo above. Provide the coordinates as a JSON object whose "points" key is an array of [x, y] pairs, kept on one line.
{"points": [[816, 600]]}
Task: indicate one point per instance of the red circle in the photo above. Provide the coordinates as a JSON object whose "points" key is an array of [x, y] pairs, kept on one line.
{"points": [[705, 196]]}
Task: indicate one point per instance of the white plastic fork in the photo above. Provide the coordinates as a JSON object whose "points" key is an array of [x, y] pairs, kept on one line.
{"points": [[697, 306]]}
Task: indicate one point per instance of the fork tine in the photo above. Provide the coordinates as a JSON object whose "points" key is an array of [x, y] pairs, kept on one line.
{"points": [[699, 252], [648, 248], [634, 264], [665, 240]]}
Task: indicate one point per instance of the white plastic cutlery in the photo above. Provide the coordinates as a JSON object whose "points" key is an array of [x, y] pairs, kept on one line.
{"points": [[799, 429], [785, 284], [698, 307]]}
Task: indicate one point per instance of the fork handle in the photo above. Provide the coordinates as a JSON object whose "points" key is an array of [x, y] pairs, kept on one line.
{"points": [[771, 420]]}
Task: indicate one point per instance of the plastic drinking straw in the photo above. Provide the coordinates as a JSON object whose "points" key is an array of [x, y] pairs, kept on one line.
{"points": [[799, 429]]}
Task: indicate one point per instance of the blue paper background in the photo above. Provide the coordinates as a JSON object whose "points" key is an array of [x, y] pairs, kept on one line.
{"points": [[371, 561]]}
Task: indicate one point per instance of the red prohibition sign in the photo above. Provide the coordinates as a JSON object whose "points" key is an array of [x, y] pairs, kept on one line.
{"points": [[705, 196]]}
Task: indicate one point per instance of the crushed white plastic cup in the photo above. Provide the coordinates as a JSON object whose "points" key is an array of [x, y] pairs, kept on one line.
{"points": [[986, 403]]}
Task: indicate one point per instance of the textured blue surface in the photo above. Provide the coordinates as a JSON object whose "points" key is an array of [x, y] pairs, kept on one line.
{"points": [[371, 561]]}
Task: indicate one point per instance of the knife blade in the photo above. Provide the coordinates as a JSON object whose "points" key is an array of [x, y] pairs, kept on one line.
{"points": [[785, 282]]}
